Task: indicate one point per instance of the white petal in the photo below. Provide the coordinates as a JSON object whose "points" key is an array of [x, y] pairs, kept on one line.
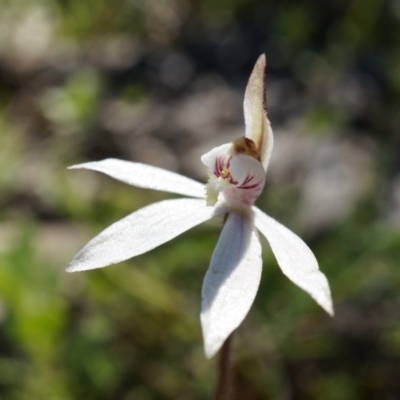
{"points": [[146, 176], [250, 177], [243, 167], [258, 127], [142, 231], [296, 260], [210, 158], [231, 282]]}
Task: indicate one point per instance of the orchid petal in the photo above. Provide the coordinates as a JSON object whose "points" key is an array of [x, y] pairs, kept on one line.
{"points": [[142, 231], [231, 282], [146, 176], [210, 158], [258, 127], [250, 177], [295, 259], [242, 167]]}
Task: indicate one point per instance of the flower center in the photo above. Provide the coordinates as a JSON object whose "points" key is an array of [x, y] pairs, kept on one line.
{"points": [[236, 171]]}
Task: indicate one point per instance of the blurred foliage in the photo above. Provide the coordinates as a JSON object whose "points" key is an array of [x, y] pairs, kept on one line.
{"points": [[158, 81]]}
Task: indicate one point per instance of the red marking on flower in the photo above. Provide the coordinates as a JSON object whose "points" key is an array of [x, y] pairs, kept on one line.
{"points": [[245, 185], [219, 166], [247, 180], [249, 187]]}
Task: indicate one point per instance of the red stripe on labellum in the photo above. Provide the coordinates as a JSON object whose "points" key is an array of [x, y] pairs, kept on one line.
{"points": [[247, 180], [219, 166], [249, 187]]}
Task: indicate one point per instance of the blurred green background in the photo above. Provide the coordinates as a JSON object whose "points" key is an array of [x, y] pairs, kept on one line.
{"points": [[161, 82]]}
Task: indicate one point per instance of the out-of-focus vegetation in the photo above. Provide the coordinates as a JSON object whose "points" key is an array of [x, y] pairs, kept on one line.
{"points": [[161, 82]]}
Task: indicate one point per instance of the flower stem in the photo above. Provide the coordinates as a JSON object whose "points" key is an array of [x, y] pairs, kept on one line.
{"points": [[224, 389]]}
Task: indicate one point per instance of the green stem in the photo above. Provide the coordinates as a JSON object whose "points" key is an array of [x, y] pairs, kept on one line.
{"points": [[225, 382]]}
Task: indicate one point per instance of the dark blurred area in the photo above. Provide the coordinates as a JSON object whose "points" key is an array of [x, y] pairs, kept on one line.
{"points": [[162, 82]]}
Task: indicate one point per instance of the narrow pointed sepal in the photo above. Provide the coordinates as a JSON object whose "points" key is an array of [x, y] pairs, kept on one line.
{"points": [[142, 231], [295, 259], [231, 282], [258, 127], [146, 176]]}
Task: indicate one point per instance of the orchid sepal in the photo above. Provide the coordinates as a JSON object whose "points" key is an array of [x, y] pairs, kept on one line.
{"points": [[258, 127]]}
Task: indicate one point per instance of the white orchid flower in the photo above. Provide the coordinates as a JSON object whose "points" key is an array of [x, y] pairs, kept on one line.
{"points": [[236, 178]]}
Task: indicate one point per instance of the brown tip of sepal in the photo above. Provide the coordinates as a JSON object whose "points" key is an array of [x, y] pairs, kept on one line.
{"points": [[262, 64]]}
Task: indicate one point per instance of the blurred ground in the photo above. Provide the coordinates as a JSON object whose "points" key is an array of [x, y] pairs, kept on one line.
{"points": [[162, 82]]}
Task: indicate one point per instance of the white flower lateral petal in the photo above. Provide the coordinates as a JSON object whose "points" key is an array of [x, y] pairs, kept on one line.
{"points": [[231, 282], [146, 176], [142, 231], [295, 259], [236, 177]]}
